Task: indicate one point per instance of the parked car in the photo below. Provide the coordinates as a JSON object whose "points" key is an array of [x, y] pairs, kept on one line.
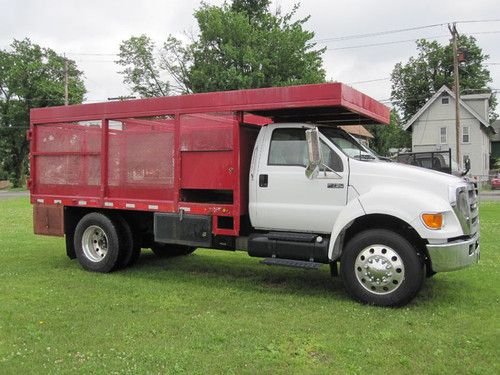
{"points": [[495, 182]]}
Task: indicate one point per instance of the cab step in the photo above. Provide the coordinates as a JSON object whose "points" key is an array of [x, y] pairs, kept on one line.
{"points": [[291, 263]]}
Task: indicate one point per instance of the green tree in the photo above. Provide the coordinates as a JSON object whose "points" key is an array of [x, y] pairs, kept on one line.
{"points": [[254, 9], [389, 136], [30, 77], [141, 70], [239, 45], [414, 82]]}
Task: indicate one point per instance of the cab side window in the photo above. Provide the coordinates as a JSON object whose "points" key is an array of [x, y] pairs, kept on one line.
{"points": [[331, 159], [288, 147]]}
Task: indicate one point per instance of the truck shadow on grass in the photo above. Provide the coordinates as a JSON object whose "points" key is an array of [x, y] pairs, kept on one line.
{"points": [[213, 270], [244, 273], [236, 271]]}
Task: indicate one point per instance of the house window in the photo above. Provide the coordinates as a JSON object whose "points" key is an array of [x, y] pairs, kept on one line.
{"points": [[465, 134], [442, 135], [445, 100]]}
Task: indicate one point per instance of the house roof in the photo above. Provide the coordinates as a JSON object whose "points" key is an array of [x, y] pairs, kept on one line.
{"points": [[438, 93], [475, 96], [358, 130]]}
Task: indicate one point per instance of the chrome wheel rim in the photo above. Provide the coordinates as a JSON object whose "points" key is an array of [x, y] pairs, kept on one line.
{"points": [[379, 269], [94, 243]]}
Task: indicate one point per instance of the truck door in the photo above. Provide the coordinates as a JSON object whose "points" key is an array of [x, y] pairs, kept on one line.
{"points": [[285, 198]]}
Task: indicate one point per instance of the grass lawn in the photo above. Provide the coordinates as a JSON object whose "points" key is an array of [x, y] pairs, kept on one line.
{"points": [[223, 312]]}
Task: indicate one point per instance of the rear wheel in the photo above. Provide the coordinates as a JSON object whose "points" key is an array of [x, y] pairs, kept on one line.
{"points": [[381, 267], [97, 243], [168, 250], [131, 247]]}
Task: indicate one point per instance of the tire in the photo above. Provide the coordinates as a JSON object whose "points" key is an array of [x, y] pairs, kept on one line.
{"points": [[97, 243], [136, 253], [380, 267], [131, 247], [169, 250]]}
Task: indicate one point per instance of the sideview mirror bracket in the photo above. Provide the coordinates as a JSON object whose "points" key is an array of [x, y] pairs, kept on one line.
{"points": [[314, 153]]}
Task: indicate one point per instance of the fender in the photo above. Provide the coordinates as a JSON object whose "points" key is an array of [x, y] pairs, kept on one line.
{"points": [[349, 213], [403, 203]]}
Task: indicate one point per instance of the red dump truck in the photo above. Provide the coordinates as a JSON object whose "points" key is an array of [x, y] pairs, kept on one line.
{"points": [[267, 171]]}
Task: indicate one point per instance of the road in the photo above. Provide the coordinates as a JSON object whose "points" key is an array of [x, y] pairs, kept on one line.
{"points": [[492, 195], [13, 194]]}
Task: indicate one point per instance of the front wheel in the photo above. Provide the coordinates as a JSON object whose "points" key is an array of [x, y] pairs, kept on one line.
{"points": [[381, 267]]}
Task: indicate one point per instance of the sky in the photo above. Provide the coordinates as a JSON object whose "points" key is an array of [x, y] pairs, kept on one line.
{"points": [[90, 33]]}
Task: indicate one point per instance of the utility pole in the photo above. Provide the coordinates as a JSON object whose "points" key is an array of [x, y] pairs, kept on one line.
{"points": [[454, 34], [65, 80]]}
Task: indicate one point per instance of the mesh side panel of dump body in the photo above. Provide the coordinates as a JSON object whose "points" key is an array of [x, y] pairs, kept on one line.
{"points": [[207, 132], [83, 136], [141, 158], [67, 155]]}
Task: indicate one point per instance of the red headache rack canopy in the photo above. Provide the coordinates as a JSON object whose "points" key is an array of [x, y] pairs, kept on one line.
{"points": [[326, 103]]}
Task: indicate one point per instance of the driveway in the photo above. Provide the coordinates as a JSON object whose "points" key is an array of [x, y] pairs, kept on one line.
{"points": [[491, 195], [13, 194]]}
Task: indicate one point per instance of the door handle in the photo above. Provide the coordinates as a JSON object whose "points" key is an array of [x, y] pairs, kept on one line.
{"points": [[263, 180]]}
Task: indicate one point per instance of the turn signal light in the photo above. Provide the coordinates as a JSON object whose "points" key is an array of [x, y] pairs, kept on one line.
{"points": [[433, 221]]}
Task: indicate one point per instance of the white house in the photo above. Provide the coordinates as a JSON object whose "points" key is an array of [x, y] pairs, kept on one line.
{"points": [[433, 129]]}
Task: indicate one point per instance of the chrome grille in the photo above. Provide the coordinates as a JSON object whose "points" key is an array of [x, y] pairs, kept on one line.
{"points": [[474, 206]]}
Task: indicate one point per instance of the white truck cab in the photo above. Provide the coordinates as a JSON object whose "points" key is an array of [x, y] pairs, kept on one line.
{"points": [[387, 223]]}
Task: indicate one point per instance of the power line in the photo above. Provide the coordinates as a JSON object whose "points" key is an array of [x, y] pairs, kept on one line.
{"points": [[80, 61], [479, 21], [384, 43], [394, 31], [370, 80], [405, 41], [328, 48], [348, 37], [367, 35], [92, 54]]}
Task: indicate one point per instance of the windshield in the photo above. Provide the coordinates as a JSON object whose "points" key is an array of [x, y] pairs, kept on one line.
{"points": [[347, 144]]}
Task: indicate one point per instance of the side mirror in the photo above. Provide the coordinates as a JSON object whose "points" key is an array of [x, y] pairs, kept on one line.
{"points": [[314, 153]]}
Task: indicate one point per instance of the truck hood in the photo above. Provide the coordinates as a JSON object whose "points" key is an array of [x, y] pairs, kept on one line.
{"points": [[367, 174]]}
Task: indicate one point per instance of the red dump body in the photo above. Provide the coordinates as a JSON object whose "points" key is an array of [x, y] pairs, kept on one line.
{"points": [[189, 152]]}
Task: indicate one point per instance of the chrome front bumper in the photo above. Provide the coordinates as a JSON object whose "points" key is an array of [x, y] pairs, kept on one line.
{"points": [[454, 255]]}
